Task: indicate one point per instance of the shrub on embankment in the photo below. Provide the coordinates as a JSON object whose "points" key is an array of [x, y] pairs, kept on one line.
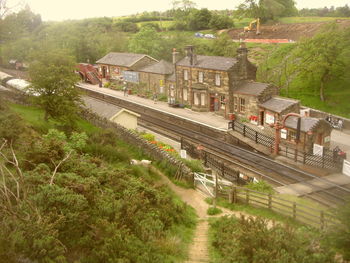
{"points": [[68, 200], [256, 240]]}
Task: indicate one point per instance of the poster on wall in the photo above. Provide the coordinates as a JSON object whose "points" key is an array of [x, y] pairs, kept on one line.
{"points": [[318, 149], [270, 118], [131, 76], [283, 133]]}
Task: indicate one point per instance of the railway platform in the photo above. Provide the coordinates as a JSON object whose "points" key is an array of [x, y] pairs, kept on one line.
{"points": [[208, 118], [314, 185]]}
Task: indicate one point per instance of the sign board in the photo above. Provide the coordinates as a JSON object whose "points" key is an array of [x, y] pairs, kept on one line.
{"points": [[270, 118], [183, 154], [318, 149], [131, 76], [346, 167], [305, 112], [283, 133]]}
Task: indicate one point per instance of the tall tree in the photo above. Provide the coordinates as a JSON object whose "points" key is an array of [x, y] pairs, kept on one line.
{"points": [[267, 9], [53, 78], [321, 57]]}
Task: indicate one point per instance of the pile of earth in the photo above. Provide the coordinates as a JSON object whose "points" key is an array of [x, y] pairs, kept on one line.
{"points": [[284, 31]]}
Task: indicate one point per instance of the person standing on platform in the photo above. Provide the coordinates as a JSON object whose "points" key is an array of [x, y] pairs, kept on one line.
{"points": [[125, 89]]}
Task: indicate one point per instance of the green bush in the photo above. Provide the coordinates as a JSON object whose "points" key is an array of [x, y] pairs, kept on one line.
{"points": [[214, 211], [254, 240], [148, 136], [260, 186], [163, 97], [107, 84], [194, 165]]}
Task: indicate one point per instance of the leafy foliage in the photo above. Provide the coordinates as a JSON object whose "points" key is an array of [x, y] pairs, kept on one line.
{"points": [[59, 204], [214, 211], [253, 240], [52, 77], [340, 234], [315, 70], [261, 186]]}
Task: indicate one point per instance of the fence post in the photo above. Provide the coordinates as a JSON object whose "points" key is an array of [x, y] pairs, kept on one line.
{"points": [[270, 201], [222, 169], [234, 195], [233, 125], [322, 220], [247, 196], [243, 130], [322, 161], [294, 210], [181, 143], [256, 137], [304, 158], [205, 158]]}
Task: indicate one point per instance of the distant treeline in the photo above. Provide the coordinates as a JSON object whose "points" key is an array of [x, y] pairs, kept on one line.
{"points": [[343, 11]]}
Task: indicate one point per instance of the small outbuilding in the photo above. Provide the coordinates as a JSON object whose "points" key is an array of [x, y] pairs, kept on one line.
{"points": [[312, 131], [121, 116], [274, 108]]}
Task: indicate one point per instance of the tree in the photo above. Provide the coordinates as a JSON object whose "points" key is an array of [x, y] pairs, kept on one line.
{"points": [[267, 9], [220, 21], [147, 41], [199, 19], [340, 234], [321, 57], [223, 46], [53, 79]]}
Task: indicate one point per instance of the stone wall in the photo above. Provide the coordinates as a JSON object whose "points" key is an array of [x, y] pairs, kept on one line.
{"points": [[131, 137], [152, 82], [321, 114]]}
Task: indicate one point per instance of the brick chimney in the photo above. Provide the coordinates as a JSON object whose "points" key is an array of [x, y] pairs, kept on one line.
{"points": [[191, 55], [242, 52], [175, 56], [242, 56]]}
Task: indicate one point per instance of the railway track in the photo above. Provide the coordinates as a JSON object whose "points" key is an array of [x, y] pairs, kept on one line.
{"points": [[276, 173]]}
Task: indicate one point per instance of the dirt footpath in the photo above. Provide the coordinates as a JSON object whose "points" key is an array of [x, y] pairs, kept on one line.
{"points": [[198, 251]]}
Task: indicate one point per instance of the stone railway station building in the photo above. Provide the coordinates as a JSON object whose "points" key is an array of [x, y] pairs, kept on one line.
{"points": [[223, 85]]}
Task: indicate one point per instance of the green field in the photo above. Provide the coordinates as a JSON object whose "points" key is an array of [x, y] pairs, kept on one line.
{"points": [[309, 19]]}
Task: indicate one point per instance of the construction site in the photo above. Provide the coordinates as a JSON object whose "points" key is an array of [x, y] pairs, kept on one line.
{"points": [[281, 32]]}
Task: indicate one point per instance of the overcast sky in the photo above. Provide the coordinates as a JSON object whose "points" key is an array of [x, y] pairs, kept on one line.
{"points": [[77, 9]]}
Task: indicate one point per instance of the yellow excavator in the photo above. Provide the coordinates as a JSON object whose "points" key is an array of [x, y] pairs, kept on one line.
{"points": [[255, 23]]}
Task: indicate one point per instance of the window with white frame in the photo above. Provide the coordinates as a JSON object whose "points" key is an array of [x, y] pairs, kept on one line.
{"points": [[235, 103], [222, 102], [196, 98], [200, 76], [217, 79], [185, 94], [185, 74], [203, 99], [242, 105]]}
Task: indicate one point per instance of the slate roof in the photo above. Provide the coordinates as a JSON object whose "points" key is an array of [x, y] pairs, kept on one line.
{"points": [[209, 62], [101, 108], [278, 104], [162, 67], [252, 88], [306, 123], [121, 59], [171, 77]]}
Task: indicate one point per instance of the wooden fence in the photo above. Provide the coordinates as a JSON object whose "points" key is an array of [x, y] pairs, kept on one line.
{"points": [[305, 214], [328, 160], [252, 134]]}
